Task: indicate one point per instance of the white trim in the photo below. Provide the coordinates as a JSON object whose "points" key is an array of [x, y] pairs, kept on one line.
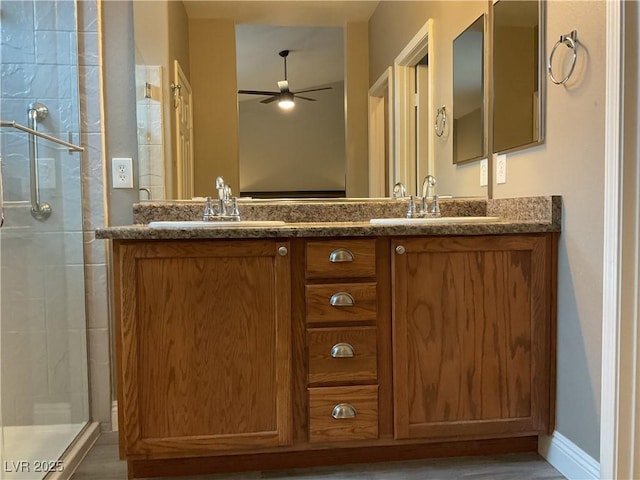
{"points": [[379, 122], [615, 442], [405, 144], [76, 453], [114, 416], [566, 457]]}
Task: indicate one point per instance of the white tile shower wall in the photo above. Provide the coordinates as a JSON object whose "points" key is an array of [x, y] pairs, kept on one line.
{"points": [[150, 137], [43, 321]]}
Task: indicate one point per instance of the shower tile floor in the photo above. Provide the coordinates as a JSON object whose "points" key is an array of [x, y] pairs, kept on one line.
{"points": [[101, 463], [28, 450]]}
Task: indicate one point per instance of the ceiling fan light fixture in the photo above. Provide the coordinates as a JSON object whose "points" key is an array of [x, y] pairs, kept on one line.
{"points": [[285, 101]]}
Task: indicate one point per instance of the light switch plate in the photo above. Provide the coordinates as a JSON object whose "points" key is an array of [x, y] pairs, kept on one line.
{"points": [[484, 172], [122, 172], [501, 169]]}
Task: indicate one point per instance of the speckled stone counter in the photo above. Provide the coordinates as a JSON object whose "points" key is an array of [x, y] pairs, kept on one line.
{"points": [[345, 218], [296, 211]]}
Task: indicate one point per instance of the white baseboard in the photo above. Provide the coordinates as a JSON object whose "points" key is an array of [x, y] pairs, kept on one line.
{"points": [[566, 457], [114, 415]]}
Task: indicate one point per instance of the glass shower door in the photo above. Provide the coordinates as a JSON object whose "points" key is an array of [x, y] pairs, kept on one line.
{"points": [[43, 344]]}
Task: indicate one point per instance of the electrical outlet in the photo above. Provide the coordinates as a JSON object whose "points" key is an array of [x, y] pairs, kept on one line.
{"points": [[501, 169], [122, 172], [484, 172]]}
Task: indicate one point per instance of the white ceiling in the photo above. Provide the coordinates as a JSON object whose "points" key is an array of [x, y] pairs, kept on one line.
{"points": [[311, 13], [311, 30]]}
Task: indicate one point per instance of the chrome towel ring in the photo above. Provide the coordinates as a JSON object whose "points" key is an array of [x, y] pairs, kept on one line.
{"points": [[570, 40], [441, 120]]}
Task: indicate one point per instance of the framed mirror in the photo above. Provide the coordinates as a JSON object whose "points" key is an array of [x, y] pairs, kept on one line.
{"points": [[518, 84], [468, 94]]}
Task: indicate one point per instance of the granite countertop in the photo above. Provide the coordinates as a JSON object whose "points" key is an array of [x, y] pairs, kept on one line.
{"points": [[335, 219]]}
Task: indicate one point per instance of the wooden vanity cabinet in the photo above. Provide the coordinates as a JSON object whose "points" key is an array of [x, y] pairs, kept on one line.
{"points": [[204, 346], [240, 354], [473, 336]]}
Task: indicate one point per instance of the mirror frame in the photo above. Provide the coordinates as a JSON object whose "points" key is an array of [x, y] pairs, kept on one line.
{"points": [[483, 89], [541, 77]]}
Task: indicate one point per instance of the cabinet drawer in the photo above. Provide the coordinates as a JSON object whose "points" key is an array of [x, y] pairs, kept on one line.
{"points": [[340, 302], [342, 354], [341, 258], [355, 407]]}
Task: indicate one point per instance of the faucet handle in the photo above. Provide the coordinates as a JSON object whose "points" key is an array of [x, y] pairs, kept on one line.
{"points": [[235, 213], [209, 212]]}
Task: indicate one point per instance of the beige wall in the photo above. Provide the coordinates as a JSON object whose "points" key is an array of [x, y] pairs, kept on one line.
{"points": [[297, 150], [215, 112], [570, 163], [356, 110], [515, 100], [392, 26]]}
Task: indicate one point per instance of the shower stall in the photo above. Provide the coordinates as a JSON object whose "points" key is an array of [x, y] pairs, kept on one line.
{"points": [[44, 401]]}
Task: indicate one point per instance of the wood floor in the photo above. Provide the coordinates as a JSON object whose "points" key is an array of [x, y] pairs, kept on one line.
{"points": [[102, 464]]}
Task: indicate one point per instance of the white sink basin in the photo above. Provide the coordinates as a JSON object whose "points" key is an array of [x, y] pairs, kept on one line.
{"points": [[432, 220], [215, 224]]}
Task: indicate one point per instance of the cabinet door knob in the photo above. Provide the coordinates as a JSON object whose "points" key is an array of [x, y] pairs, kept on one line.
{"points": [[344, 410], [282, 251], [400, 250], [342, 350], [342, 299], [340, 255]]}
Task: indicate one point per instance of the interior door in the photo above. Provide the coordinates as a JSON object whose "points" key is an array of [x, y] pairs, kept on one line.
{"points": [[183, 107]]}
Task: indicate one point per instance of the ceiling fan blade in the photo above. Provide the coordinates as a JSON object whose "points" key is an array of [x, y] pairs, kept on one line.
{"points": [[271, 99], [257, 92], [313, 90], [283, 85], [306, 98]]}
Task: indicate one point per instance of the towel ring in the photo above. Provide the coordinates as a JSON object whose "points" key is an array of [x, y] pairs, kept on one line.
{"points": [[570, 41], [441, 120]]}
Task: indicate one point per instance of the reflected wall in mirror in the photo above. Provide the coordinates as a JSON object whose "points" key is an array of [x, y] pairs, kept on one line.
{"points": [[468, 94], [301, 150], [517, 95], [201, 35]]}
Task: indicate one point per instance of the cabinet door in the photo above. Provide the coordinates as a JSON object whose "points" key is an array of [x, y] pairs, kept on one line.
{"points": [[471, 336], [205, 354]]}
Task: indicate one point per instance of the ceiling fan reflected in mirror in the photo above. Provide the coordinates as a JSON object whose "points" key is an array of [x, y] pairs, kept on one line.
{"points": [[285, 97]]}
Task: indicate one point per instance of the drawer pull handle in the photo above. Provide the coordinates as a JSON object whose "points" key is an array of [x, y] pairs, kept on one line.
{"points": [[344, 410], [342, 350], [342, 299], [340, 255]]}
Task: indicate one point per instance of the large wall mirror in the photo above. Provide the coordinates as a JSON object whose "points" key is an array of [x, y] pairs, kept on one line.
{"points": [[182, 30], [518, 94], [468, 94]]}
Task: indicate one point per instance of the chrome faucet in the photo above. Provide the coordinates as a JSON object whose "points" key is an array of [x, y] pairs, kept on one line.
{"points": [[426, 205], [226, 207], [399, 191]]}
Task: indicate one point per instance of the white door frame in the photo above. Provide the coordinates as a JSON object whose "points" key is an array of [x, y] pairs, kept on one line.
{"points": [[620, 400], [381, 144], [404, 87], [184, 169]]}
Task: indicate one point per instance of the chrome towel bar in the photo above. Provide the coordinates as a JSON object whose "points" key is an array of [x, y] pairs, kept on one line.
{"points": [[13, 124], [570, 40]]}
